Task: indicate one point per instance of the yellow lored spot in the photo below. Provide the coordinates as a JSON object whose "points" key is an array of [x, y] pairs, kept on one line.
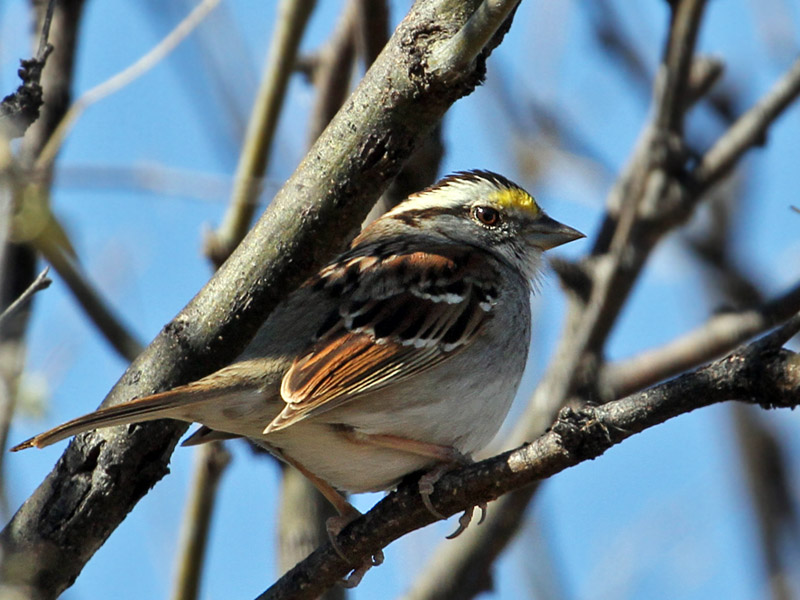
{"points": [[516, 199]]}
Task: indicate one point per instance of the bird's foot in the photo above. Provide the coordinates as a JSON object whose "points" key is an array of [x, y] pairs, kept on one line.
{"points": [[334, 527], [426, 486]]}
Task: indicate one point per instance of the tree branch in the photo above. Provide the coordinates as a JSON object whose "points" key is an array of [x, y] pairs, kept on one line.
{"points": [[671, 101], [292, 18], [720, 334], [42, 282], [211, 460], [457, 52], [20, 109], [625, 240], [748, 131], [121, 79]]}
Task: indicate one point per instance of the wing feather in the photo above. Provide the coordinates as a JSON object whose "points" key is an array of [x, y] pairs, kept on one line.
{"points": [[404, 314]]}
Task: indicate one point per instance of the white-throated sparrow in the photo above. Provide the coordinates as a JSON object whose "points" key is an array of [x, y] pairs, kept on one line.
{"points": [[402, 354]]}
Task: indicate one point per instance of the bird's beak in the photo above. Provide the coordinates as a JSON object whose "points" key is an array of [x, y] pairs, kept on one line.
{"points": [[547, 233]]}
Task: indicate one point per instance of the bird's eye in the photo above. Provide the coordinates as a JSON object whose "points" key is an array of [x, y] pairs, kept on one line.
{"points": [[487, 215]]}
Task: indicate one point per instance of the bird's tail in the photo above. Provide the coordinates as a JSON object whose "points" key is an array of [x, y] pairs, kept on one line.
{"points": [[149, 408]]}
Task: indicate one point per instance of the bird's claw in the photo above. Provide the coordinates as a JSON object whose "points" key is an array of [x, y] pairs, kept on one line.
{"points": [[465, 519], [357, 574], [426, 483], [334, 526]]}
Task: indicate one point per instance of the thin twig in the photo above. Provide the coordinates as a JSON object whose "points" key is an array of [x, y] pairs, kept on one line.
{"points": [[18, 111], [718, 336], [122, 79], [333, 71], [41, 282], [90, 299], [56, 79], [622, 248], [642, 188], [41, 53], [222, 93], [164, 181], [21, 109], [608, 28], [292, 19], [706, 72], [748, 131], [671, 101]]}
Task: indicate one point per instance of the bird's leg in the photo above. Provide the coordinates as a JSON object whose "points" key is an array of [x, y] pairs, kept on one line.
{"points": [[347, 512], [334, 525], [449, 458]]}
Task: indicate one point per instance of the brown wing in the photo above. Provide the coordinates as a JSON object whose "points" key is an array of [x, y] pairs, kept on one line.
{"points": [[404, 314]]}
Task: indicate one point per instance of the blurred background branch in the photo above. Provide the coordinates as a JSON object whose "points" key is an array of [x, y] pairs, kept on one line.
{"points": [[254, 159]]}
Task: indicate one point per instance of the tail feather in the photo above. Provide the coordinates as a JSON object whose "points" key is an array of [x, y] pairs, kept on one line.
{"points": [[149, 408]]}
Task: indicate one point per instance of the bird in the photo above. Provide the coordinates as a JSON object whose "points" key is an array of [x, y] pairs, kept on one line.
{"points": [[403, 354]]}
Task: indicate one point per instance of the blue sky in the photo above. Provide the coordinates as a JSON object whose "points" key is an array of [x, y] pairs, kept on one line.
{"points": [[661, 516]]}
